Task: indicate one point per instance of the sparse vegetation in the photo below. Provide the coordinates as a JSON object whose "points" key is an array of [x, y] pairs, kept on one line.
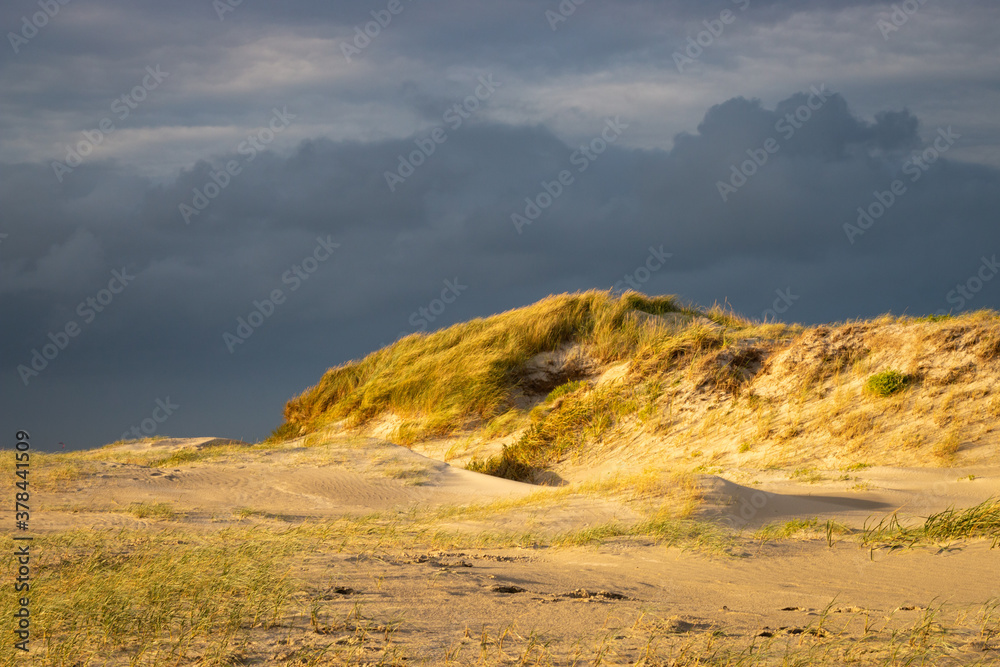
{"points": [[949, 445], [981, 521], [124, 597], [284, 431], [150, 510], [786, 529], [136, 441], [807, 475], [72, 465], [150, 598], [993, 409]]}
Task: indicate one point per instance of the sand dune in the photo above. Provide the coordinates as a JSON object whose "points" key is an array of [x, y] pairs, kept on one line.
{"points": [[571, 595], [387, 476], [910, 492]]}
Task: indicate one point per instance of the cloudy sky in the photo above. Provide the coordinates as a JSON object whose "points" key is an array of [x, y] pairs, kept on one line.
{"points": [[206, 204]]}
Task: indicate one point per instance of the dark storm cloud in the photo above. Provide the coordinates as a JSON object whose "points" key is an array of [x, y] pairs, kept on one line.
{"points": [[781, 232], [454, 216]]}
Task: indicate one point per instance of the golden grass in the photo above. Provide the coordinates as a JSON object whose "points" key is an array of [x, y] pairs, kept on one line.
{"points": [[472, 371], [948, 446], [148, 598], [700, 380], [573, 418]]}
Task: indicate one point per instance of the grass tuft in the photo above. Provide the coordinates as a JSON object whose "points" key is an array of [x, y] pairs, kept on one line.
{"points": [[151, 510], [981, 521]]}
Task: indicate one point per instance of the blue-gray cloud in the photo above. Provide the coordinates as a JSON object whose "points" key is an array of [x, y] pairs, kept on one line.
{"points": [[756, 190]]}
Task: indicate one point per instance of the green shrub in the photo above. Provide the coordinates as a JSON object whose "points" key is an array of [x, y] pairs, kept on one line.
{"points": [[887, 383]]}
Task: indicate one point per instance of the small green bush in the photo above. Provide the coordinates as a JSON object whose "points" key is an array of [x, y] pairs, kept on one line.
{"points": [[887, 383]]}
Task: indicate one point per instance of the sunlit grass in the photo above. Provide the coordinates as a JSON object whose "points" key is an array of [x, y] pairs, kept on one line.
{"points": [[148, 597], [471, 371], [177, 596], [981, 521]]}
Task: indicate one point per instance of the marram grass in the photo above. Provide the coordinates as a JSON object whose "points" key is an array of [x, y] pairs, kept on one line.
{"points": [[472, 371]]}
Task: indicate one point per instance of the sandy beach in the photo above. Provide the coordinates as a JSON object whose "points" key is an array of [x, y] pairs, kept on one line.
{"points": [[402, 559]]}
